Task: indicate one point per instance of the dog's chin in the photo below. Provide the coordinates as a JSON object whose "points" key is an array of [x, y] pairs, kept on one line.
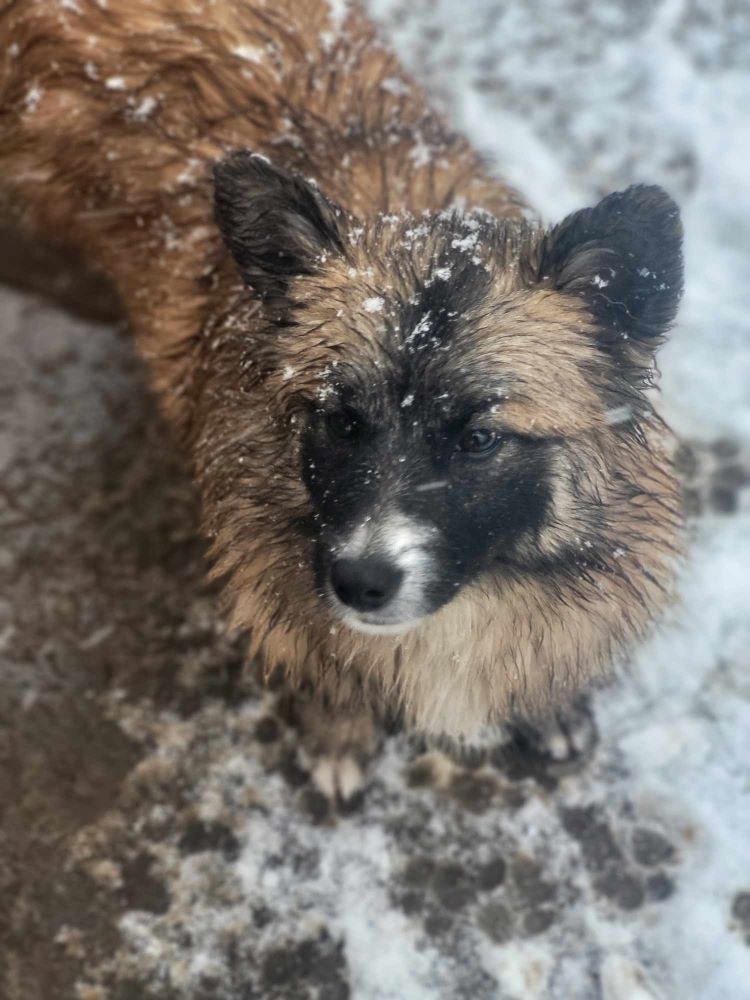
{"points": [[369, 624], [369, 627], [372, 624]]}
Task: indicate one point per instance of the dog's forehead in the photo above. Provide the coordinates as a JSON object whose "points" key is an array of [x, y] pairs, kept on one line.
{"points": [[428, 327]]}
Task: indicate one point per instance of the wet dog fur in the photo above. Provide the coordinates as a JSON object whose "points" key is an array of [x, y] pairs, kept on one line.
{"points": [[375, 361]]}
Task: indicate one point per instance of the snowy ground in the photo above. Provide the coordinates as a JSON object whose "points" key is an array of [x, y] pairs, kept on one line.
{"points": [[157, 840]]}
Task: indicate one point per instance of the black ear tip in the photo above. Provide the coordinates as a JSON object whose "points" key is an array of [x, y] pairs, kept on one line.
{"points": [[227, 171], [649, 204], [240, 163], [624, 257], [646, 216], [231, 161], [275, 223], [238, 177]]}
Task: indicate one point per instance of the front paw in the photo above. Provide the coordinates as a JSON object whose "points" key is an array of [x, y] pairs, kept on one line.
{"points": [[336, 748], [546, 749], [340, 779], [563, 743]]}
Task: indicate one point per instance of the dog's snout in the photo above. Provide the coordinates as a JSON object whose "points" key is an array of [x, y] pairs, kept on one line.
{"points": [[365, 584]]}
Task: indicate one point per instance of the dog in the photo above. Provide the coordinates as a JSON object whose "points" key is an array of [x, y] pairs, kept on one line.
{"points": [[432, 473]]}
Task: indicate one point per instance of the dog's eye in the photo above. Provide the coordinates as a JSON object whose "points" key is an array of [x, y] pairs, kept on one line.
{"points": [[479, 441], [344, 424]]}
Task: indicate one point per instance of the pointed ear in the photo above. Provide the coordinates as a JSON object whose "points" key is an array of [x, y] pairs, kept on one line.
{"points": [[624, 257], [275, 224]]}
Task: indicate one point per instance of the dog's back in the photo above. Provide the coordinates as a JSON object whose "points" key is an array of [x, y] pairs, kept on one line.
{"points": [[111, 112]]}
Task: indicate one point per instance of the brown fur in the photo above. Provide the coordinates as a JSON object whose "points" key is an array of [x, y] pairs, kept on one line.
{"points": [[110, 116]]}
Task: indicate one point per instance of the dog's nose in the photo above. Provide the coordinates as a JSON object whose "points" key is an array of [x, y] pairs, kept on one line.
{"points": [[365, 584]]}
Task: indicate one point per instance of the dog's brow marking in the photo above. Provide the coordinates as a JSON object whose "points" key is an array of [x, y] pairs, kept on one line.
{"points": [[437, 484]]}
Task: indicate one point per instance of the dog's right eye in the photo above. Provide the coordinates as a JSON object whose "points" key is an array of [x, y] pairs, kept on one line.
{"points": [[479, 442], [343, 424]]}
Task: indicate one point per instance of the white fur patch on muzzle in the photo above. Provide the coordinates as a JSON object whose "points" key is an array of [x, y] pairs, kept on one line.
{"points": [[404, 543]]}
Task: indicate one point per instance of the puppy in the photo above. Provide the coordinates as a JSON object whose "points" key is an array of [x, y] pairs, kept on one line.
{"points": [[432, 475]]}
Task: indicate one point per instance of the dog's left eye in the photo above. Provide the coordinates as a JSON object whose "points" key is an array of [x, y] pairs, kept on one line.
{"points": [[479, 441], [343, 424]]}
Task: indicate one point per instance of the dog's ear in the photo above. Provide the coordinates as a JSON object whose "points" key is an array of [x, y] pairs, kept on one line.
{"points": [[276, 225], [624, 258]]}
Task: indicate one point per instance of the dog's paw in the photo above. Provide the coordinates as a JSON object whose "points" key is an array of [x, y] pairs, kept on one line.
{"points": [[564, 742], [340, 779], [336, 750]]}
